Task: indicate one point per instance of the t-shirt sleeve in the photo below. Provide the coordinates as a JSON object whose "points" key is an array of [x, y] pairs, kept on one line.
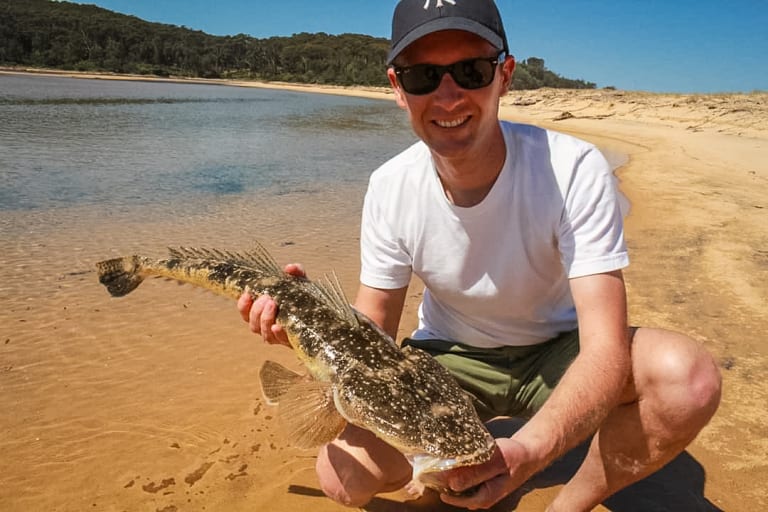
{"points": [[591, 237], [384, 261]]}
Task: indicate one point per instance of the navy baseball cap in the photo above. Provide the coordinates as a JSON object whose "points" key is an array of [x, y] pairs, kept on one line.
{"points": [[414, 19]]}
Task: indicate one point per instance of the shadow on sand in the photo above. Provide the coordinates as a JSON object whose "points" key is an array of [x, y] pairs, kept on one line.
{"points": [[679, 486]]}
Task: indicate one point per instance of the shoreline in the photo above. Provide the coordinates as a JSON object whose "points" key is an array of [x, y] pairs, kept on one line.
{"points": [[695, 177], [735, 113], [744, 114], [357, 91]]}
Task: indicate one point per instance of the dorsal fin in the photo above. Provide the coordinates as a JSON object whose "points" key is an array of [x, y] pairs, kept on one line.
{"points": [[258, 258], [198, 253], [331, 289], [328, 290]]}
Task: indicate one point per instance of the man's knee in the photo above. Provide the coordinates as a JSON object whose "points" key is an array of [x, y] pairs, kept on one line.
{"points": [[705, 384], [341, 488], [683, 375], [352, 479]]}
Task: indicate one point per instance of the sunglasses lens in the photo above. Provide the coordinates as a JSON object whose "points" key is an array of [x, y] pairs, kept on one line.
{"points": [[468, 74], [473, 74], [420, 79]]}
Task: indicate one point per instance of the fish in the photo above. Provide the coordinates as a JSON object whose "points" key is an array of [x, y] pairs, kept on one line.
{"points": [[356, 373]]}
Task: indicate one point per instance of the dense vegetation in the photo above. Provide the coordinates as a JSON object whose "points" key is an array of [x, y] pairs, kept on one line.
{"points": [[62, 35]]}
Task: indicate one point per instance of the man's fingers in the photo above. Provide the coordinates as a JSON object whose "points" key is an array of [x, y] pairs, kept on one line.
{"points": [[261, 313], [264, 311], [295, 269], [254, 314], [468, 477], [244, 304], [485, 496], [279, 335]]}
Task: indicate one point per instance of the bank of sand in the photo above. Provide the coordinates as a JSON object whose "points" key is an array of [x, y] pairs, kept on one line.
{"points": [[151, 402]]}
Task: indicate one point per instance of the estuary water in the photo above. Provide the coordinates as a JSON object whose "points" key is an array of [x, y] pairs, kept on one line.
{"points": [[117, 144]]}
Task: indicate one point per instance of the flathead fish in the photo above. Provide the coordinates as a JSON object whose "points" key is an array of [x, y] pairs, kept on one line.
{"points": [[357, 373]]}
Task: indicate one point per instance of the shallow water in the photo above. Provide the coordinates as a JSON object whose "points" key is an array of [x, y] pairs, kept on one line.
{"points": [[69, 142]]}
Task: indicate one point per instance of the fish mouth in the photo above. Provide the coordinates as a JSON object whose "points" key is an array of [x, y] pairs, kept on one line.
{"points": [[429, 469], [433, 476], [426, 464]]}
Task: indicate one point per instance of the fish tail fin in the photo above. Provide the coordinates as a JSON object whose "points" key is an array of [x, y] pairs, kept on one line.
{"points": [[120, 275]]}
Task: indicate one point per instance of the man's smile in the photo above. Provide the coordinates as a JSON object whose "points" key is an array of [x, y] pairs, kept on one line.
{"points": [[451, 123]]}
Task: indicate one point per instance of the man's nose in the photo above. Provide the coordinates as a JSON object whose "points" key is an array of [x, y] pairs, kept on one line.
{"points": [[448, 90]]}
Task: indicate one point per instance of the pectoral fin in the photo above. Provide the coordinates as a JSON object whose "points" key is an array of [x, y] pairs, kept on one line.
{"points": [[308, 414], [276, 380]]}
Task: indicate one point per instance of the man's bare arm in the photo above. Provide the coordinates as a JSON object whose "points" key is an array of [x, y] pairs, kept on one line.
{"points": [[590, 388], [594, 382], [384, 307]]}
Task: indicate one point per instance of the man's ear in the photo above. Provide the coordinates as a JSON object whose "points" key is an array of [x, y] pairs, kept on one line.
{"points": [[399, 93], [507, 70]]}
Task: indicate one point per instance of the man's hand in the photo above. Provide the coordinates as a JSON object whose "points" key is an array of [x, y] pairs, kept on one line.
{"points": [[509, 468], [261, 314]]}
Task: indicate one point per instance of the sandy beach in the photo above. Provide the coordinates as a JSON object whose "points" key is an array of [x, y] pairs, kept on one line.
{"points": [[151, 402]]}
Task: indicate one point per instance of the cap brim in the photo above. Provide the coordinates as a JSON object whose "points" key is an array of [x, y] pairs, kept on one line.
{"points": [[448, 23]]}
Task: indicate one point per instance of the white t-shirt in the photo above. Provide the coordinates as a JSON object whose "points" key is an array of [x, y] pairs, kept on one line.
{"points": [[495, 273]]}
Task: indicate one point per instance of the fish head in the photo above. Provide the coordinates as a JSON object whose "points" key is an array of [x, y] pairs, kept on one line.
{"points": [[467, 444], [416, 406], [426, 463]]}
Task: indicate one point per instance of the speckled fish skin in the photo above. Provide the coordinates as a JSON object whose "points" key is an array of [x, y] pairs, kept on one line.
{"points": [[403, 396]]}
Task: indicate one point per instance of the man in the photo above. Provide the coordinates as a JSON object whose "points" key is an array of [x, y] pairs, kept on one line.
{"points": [[517, 234]]}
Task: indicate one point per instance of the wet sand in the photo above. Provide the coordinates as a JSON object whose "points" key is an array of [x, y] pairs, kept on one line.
{"points": [[151, 402]]}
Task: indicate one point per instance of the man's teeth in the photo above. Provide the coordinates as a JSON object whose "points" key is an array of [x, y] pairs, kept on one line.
{"points": [[451, 124]]}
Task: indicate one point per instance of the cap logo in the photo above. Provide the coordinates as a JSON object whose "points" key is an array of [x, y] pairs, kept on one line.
{"points": [[438, 4]]}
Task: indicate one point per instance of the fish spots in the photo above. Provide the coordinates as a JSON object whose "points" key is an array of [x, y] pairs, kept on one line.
{"points": [[270, 282], [441, 410]]}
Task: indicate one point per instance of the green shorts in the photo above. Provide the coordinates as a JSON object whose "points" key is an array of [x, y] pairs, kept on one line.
{"points": [[505, 381]]}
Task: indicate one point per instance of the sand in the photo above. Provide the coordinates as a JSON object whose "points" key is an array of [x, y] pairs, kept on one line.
{"points": [[151, 402]]}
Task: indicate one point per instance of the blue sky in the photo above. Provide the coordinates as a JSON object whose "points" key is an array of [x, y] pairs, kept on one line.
{"points": [[653, 45]]}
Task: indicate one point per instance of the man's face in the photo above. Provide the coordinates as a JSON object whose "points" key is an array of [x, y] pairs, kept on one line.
{"points": [[451, 120]]}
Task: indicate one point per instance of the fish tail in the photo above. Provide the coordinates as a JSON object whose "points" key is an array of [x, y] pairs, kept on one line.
{"points": [[120, 275]]}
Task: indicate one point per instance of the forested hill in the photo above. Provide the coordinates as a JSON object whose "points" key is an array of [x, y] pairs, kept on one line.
{"points": [[62, 35]]}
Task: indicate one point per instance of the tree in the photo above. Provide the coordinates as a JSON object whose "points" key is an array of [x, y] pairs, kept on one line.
{"points": [[44, 33]]}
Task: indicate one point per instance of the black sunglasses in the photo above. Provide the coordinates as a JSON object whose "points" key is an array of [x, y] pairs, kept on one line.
{"points": [[468, 74]]}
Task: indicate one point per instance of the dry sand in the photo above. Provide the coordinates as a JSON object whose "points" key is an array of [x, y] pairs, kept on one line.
{"points": [[151, 402]]}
